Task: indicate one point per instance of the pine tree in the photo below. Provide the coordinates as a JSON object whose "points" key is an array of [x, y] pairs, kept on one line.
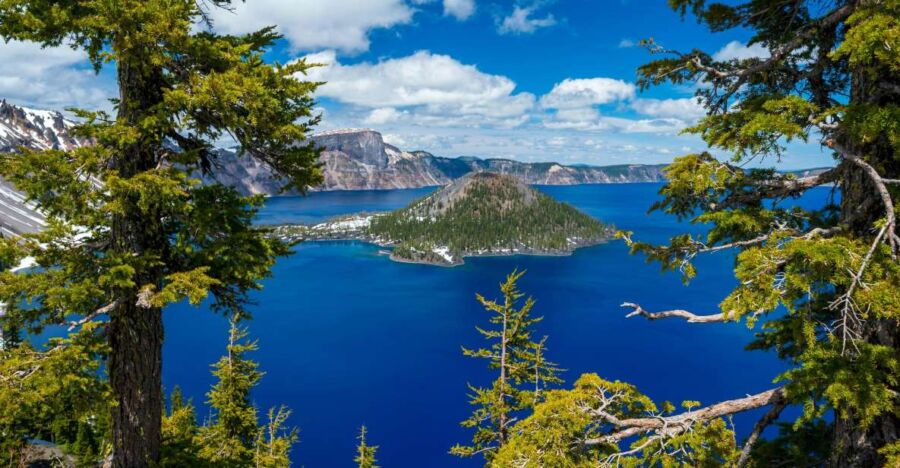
{"points": [[824, 281], [232, 436], [179, 433], [520, 364], [274, 441], [365, 453], [129, 229], [229, 438]]}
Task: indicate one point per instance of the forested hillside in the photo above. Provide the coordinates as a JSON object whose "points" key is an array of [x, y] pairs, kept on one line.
{"points": [[487, 213]]}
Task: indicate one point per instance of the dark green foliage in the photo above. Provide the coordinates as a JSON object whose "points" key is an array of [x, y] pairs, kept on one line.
{"points": [[807, 444], [488, 213], [820, 283], [130, 229]]}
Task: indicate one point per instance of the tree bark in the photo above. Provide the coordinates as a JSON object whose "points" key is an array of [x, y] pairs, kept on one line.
{"points": [[135, 330], [855, 445]]}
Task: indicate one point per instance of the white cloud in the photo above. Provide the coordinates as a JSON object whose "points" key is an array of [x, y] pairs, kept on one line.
{"points": [[626, 43], [736, 50], [383, 115], [459, 9], [574, 93], [688, 109], [432, 89], [521, 22], [51, 78], [315, 24]]}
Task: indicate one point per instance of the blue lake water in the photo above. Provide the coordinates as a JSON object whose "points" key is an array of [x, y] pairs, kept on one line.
{"points": [[348, 337]]}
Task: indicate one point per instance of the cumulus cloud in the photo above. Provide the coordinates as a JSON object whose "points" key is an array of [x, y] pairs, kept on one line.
{"points": [[689, 109], [736, 50], [51, 78], [574, 93], [314, 24], [432, 88], [383, 115], [521, 22], [459, 9]]}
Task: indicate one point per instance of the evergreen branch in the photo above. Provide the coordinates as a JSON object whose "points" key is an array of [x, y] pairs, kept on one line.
{"points": [[777, 55], [778, 188]]}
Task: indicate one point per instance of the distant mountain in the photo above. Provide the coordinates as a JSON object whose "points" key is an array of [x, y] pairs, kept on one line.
{"points": [[353, 159], [34, 129], [359, 159]]}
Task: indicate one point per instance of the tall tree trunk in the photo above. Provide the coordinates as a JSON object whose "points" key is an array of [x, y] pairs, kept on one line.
{"points": [[135, 327], [135, 373], [855, 445]]}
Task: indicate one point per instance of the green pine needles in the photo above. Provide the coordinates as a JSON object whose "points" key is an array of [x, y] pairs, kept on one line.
{"points": [[130, 228], [522, 370], [232, 436], [365, 453], [486, 213], [820, 284]]}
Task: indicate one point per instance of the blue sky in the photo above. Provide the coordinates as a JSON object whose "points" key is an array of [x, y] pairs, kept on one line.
{"points": [[533, 80]]}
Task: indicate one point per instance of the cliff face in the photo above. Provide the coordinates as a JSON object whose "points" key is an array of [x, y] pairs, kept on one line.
{"points": [[361, 160]]}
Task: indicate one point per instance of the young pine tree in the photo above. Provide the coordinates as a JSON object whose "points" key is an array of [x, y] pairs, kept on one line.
{"points": [[232, 436], [519, 363], [179, 433], [365, 453], [822, 278], [129, 230]]}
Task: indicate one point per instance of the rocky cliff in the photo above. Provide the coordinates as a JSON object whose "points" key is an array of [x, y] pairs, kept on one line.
{"points": [[357, 159]]}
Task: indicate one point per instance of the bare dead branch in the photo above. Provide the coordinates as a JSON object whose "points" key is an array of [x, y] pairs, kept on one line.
{"points": [[765, 421], [680, 313], [673, 425], [777, 55], [93, 315]]}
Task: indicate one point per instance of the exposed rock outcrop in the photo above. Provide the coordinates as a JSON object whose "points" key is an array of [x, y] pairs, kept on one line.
{"points": [[359, 159]]}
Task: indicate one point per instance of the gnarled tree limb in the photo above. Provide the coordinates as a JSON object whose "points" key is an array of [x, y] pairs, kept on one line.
{"points": [[676, 424], [689, 316]]}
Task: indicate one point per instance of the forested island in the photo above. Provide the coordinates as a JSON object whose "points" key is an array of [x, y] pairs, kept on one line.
{"points": [[481, 214]]}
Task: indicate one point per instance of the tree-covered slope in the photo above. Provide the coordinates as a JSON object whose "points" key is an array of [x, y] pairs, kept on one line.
{"points": [[486, 213]]}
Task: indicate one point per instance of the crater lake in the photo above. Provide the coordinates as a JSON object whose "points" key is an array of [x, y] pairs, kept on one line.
{"points": [[348, 337]]}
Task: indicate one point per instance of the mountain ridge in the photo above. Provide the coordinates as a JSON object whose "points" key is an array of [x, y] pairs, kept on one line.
{"points": [[360, 159]]}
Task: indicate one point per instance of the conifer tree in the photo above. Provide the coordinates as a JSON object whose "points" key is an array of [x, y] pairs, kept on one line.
{"points": [[179, 433], [365, 453], [822, 283], [520, 364], [129, 228], [232, 436]]}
